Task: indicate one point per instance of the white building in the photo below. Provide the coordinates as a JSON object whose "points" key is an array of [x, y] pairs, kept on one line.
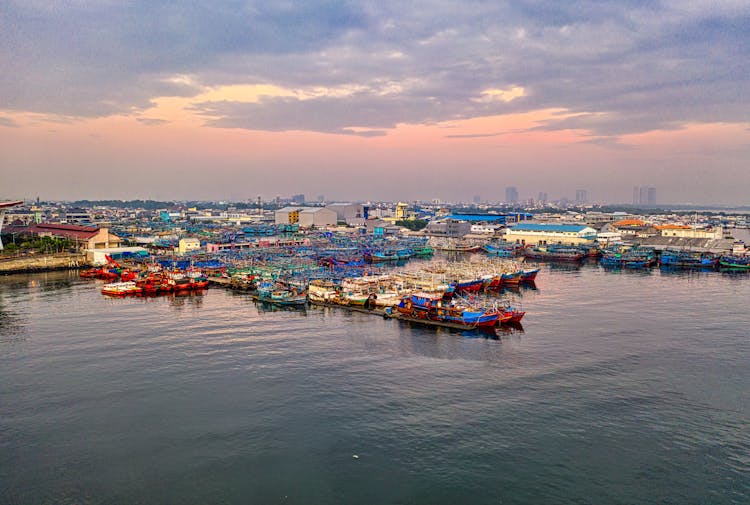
{"points": [[316, 216], [684, 231], [543, 233], [486, 228], [352, 214], [287, 215]]}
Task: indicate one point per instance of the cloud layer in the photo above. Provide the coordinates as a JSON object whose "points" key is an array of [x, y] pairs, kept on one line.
{"points": [[361, 68]]}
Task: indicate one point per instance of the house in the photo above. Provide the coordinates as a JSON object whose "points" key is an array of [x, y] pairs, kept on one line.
{"points": [[188, 244]]}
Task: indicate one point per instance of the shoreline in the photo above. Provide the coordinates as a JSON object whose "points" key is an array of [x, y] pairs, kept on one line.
{"points": [[42, 263]]}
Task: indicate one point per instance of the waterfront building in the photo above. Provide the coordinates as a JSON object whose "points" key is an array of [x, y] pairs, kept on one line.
{"points": [[316, 216], [685, 231], [287, 215], [546, 233], [352, 214], [448, 228], [84, 237], [634, 228]]}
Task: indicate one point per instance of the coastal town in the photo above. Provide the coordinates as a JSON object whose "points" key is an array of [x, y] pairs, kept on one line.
{"points": [[357, 255]]}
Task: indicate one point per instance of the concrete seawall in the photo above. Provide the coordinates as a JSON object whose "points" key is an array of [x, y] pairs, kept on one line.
{"points": [[42, 262]]}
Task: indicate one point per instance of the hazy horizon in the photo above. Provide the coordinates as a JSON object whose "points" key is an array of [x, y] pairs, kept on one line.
{"points": [[375, 100]]}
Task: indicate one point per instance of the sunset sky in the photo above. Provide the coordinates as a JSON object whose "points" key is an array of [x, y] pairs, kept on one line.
{"points": [[375, 100]]}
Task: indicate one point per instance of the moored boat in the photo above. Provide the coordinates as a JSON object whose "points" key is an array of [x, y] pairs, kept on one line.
{"points": [[121, 289]]}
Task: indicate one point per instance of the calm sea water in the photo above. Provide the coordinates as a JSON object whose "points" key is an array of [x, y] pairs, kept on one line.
{"points": [[623, 387]]}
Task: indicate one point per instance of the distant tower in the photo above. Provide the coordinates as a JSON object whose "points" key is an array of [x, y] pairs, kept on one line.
{"points": [[543, 198], [477, 199], [581, 196], [651, 197], [511, 195]]}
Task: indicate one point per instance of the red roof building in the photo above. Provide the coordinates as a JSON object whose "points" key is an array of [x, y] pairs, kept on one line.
{"points": [[85, 237]]}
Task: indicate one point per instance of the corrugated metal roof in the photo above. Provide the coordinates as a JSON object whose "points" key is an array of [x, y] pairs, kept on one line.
{"points": [[477, 217], [574, 228]]}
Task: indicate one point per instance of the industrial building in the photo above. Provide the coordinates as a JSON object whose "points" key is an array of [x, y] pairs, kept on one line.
{"points": [[84, 237], [316, 216], [287, 215], [352, 214], [542, 233]]}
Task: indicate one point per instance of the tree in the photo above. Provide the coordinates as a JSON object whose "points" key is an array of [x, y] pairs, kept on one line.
{"points": [[412, 224]]}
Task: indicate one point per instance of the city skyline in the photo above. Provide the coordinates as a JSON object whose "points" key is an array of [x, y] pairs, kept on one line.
{"points": [[381, 101]]}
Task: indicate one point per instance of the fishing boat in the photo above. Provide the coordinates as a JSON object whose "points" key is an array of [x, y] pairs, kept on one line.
{"points": [[121, 289], [735, 261], [284, 298], [322, 291], [687, 259], [554, 253], [502, 249], [381, 256], [511, 314], [427, 307], [529, 276], [422, 250]]}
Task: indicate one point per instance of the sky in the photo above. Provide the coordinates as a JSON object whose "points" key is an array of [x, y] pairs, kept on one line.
{"points": [[375, 100]]}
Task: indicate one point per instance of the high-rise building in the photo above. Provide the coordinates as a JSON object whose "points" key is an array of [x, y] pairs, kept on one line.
{"points": [[477, 199], [511, 195], [644, 195], [582, 196], [542, 198]]}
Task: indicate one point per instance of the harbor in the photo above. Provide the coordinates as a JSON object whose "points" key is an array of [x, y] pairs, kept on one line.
{"points": [[609, 362]]}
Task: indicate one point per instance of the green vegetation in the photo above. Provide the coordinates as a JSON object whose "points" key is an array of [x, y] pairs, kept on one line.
{"points": [[412, 224], [46, 245]]}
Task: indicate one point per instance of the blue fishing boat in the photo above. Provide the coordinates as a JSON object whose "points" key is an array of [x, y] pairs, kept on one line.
{"points": [[687, 259], [740, 261], [502, 249]]}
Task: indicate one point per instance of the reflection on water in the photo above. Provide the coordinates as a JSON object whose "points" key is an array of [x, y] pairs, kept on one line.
{"points": [[12, 327], [264, 306]]}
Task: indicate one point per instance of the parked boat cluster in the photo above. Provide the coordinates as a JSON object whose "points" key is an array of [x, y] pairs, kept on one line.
{"points": [[372, 274], [439, 293]]}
